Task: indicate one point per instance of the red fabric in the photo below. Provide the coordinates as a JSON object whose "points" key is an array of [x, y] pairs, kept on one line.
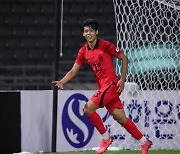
{"points": [[97, 122], [101, 61], [132, 129], [108, 97]]}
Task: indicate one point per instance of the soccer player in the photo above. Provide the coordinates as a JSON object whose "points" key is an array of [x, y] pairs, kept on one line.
{"points": [[99, 54]]}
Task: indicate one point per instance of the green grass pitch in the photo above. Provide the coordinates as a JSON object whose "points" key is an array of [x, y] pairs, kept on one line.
{"points": [[123, 152]]}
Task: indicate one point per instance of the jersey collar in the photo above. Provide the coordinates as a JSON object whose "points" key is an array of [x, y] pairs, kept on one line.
{"points": [[96, 45]]}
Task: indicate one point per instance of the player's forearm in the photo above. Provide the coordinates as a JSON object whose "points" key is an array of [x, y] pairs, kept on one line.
{"points": [[68, 77], [124, 68], [74, 70]]}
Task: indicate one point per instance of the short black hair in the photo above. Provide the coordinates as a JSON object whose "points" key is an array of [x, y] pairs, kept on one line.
{"points": [[90, 23]]}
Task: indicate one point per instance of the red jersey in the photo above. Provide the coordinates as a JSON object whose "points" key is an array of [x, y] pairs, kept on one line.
{"points": [[101, 61]]}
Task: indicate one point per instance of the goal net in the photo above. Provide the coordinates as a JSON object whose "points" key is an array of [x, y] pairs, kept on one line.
{"points": [[148, 32]]}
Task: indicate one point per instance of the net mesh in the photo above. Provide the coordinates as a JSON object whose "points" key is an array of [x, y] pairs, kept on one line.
{"points": [[148, 32]]}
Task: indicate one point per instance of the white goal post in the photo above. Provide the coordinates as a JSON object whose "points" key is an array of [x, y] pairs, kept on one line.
{"points": [[148, 32]]}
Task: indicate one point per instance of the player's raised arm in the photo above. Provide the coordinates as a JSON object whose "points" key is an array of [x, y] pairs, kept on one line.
{"points": [[69, 75]]}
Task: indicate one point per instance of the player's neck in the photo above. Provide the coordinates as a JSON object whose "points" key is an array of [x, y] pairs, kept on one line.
{"points": [[92, 44]]}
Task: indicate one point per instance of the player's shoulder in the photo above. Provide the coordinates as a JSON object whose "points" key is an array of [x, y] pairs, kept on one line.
{"points": [[105, 42], [83, 47]]}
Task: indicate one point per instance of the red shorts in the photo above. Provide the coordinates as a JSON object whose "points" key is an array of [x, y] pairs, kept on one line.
{"points": [[108, 97]]}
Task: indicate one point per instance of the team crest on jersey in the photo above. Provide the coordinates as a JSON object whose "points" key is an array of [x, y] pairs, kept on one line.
{"points": [[117, 50], [77, 128]]}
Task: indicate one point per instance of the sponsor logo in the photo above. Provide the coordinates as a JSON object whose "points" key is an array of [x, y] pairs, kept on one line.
{"points": [[77, 128]]}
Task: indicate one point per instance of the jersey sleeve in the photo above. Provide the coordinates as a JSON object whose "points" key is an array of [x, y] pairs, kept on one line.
{"points": [[113, 50], [80, 57]]}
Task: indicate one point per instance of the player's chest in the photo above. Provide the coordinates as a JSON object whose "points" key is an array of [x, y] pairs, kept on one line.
{"points": [[96, 56]]}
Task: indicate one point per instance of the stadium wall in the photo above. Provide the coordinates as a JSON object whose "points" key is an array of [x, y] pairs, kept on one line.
{"points": [[28, 120], [10, 122]]}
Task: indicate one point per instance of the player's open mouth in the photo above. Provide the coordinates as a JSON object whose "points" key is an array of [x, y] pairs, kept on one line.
{"points": [[89, 37]]}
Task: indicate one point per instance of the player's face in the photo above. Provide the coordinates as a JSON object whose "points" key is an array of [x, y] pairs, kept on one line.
{"points": [[90, 34]]}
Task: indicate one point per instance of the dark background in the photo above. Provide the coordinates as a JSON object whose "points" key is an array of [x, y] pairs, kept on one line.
{"points": [[10, 122], [27, 30]]}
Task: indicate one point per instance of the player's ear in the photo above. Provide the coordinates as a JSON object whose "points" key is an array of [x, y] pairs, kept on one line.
{"points": [[83, 34], [97, 32]]}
